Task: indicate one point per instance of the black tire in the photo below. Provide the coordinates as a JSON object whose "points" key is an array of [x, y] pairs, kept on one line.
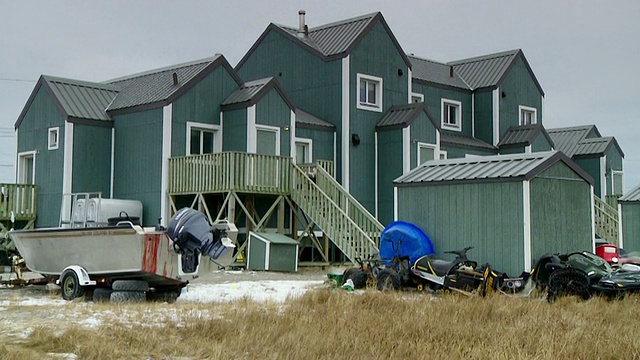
{"points": [[568, 281], [70, 285], [163, 296], [101, 294], [128, 296], [388, 280], [130, 285], [359, 277]]}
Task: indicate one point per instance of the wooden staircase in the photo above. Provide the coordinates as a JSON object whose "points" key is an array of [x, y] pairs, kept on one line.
{"points": [[338, 214], [606, 220]]}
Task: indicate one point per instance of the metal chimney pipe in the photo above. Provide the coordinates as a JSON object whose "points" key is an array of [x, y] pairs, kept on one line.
{"points": [[302, 27]]}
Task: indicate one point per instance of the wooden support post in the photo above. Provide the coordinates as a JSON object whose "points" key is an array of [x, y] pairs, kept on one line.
{"points": [[281, 216], [231, 208]]}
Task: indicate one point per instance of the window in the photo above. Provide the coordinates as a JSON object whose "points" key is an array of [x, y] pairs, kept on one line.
{"points": [[426, 152], [618, 177], [443, 155], [267, 140], [303, 151], [53, 138], [369, 93], [451, 115], [26, 167], [202, 139], [416, 98], [528, 115]]}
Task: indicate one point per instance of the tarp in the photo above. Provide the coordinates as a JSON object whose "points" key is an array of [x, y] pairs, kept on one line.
{"points": [[404, 239]]}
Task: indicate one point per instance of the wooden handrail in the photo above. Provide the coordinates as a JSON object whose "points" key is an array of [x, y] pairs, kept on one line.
{"points": [[606, 221], [18, 200]]}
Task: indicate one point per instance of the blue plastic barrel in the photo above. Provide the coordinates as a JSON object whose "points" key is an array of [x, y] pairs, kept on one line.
{"points": [[404, 239]]}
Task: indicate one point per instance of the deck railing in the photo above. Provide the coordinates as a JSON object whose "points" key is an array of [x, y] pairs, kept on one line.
{"points": [[18, 201], [229, 171], [353, 241], [606, 221]]}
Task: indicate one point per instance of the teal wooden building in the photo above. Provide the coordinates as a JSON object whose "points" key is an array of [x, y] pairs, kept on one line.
{"points": [[629, 208], [303, 137]]}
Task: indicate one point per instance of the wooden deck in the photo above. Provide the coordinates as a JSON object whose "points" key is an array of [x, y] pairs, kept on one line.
{"points": [[17, 201]]}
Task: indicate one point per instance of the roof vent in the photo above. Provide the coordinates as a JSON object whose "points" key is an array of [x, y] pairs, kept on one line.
{"points": [[303, 30], [175, 79]]}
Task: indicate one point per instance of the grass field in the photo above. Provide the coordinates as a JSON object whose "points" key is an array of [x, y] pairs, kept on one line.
{"points": [[333, 324]]}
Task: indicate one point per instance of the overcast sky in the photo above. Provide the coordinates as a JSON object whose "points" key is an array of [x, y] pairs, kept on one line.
{"points": [[585, 54]]}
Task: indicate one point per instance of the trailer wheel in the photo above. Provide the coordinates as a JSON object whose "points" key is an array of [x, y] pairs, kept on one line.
{"points": [[101, 294], [130, 285], [128, 296], [70, 285], [388, 280]]}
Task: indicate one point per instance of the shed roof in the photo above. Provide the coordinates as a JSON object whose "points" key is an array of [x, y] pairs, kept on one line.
{"points": [[582, 141], [400, 116], [487, 168], [331, 41], [632, 196], [310, 121], [77, 100], [156, 88], [524, 135], [435, 72], [251, 92], [465, 141]]}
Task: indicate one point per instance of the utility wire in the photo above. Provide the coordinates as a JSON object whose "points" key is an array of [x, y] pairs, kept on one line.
{"points": [[17, 80]]}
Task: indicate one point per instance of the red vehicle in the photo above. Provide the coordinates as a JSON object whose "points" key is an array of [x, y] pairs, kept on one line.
{"points": [[608, 252]]}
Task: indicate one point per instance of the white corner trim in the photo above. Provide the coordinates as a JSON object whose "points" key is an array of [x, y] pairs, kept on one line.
{"points": [[221, 129], [292, 136], [113, 160], [410, 86], [346, 131], [167, 120], [67, 172], [526, 202], [473, 114], [527, 149], [620, 237], [542, 109], [15, 159], [406, 149], [603, 177], [496, 116], [593, 225], [375, 183], [251, 130], [395, 203]]}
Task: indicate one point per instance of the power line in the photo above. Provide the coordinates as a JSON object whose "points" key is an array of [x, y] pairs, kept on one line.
{"points": [[17, 80]]}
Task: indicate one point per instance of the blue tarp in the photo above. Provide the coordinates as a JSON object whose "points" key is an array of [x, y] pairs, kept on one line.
{"points": [[404, 239]]}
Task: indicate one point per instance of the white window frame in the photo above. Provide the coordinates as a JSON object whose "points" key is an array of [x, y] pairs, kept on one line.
{"points": [[268, 128], [309, 148], [53, 138], [458, 104], [369, 106], [217, 135], [417, 95], [443, 155], [534, 116], [21, 178], [426, 145], [613, 181]]}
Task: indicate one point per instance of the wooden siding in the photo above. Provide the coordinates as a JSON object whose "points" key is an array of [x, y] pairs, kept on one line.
{"points": [[487, 216], [375, 55], [433, 96], [323, 143], [541, 144], [631, 226], [91, 159], [560, 212], [272, 110], [423, 131], [591, 165], [234, 130], [33, 136], [519, 89], [483, 117], [138, 161], [200, 104], [390, 154]]}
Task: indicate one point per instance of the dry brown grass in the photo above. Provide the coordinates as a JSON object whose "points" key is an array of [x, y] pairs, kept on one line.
{"points": [[331, 324]]}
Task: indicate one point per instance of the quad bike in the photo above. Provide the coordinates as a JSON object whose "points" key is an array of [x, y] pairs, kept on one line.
{"points": [[372, 272]]}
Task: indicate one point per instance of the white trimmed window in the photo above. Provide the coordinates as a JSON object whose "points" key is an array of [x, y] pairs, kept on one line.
{"points": [[443, 155], [528, 115], [618, 182], [53, 138], [203, 138], [426, 152], [303, 151], [416, 98], [451, 115], [27, 167], [369, 93]]}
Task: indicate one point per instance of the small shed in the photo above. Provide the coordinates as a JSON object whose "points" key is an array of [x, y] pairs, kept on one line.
{"points": [[629, 210], [271, 252], [511, 208]]}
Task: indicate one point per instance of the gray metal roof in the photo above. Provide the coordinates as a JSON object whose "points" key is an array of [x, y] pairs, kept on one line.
{"points": [[484, 71], [247, 91], [399, 116], [568, 139], [465, 141], [156, 85], [433, 71], [632, 196], [496, 167], [593, 146], [524, 135], [81, 99], [307, 120]]}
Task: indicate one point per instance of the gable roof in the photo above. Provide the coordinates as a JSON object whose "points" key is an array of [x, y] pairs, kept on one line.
{"points": [[632, 196], [401, 116], [330, 41], [517, 167], [524, 135], [582, 141], [307, 120], [465, 141], [77, 100], [435, 72], [251, 92], [156, 88], [596, 146]]}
